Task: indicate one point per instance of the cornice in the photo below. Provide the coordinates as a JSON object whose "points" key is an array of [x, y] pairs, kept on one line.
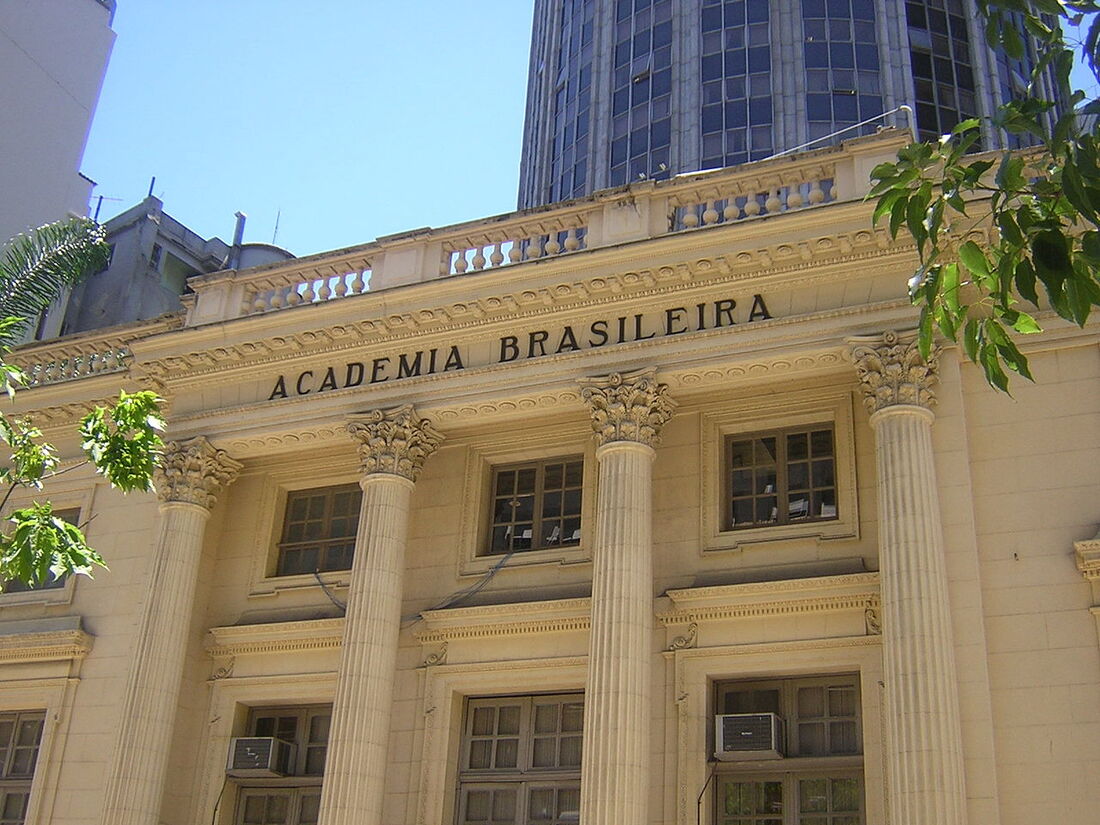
{"points": [[1087, 556], [277, 637], [803, 259], [858, 591], [47, 646], [514, 619]]}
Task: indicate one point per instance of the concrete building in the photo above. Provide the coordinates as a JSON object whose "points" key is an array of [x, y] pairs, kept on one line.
{"points": [[152, 256], [621, 90], [53, 55], [637, 509]]}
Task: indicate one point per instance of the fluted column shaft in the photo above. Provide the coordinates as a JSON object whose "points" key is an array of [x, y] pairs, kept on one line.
{"points": [[628, 412], [357, 753], [393, 446], [924, 749], [135, 785], [615, 767]]}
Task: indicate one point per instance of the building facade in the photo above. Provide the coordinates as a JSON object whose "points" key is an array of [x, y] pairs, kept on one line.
{"points": [[638, 509], [622, 90], [53, 55]]}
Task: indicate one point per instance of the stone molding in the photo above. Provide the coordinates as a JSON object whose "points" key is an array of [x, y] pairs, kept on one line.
{"points": [[516, 619], [46, 646], [891, 371], [394, 442], [223, 643], [1087, 556], [628, 406], [193, 471], [789, 597]]}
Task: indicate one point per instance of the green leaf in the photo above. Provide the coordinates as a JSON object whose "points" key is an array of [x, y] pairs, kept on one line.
{"points": [[924, 333], [40, 547], [970, 339], [974, 259], [123, 442]]}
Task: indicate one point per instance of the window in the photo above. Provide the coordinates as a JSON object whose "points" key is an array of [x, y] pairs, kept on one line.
{"points": [[781, 477], [294, 800], [521, 760], [319, 530], [820, 782], [20, 736], [72, 516], [536, 506]]}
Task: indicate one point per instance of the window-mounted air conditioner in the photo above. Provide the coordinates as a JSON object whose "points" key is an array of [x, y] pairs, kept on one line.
{"points": [[744, 736], [251, 756]]}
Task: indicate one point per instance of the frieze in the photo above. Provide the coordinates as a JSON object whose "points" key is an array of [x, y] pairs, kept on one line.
{"points": [[504, 620], [47, 646], [226, 643]]}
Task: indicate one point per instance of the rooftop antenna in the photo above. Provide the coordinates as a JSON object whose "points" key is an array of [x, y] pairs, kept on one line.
{"points": [[275, 234], [152, 183], [238, 238]]}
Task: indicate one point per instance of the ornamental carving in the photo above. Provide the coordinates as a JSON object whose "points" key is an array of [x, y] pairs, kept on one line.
{"points": [[629, 406], [395, 442], [193, 471], [891, 371]]}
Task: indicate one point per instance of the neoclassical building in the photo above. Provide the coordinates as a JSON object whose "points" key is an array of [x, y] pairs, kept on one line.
{"points": [[642, 508]]}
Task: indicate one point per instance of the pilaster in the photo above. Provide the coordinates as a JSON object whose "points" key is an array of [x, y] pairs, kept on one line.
{"points": [[393, 446], [924, 741], [189, 477], [628, 411]]}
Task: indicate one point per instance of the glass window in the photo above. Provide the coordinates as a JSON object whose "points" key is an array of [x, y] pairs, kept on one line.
{"points": [[20, 737], [821, 717], [520, 761], [782, 477], [536, 506], [319, 530]]}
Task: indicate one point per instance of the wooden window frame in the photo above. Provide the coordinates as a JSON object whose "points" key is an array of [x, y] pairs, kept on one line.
{"points": [[537, 515], [324, 543], [20, 784]]}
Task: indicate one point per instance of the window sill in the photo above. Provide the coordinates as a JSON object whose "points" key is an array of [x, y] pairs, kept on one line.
{"points": [[274, 585], [790, 764], [823, 530], [480, 565], [50, 596]]}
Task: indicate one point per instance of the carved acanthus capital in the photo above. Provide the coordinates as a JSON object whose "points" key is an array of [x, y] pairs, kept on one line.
{"points": [[194, 471], [395, 442], [630, 406], [891, 371]]}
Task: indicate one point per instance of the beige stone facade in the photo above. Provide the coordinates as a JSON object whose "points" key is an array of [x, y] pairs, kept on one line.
{"points": [[664, 460]]}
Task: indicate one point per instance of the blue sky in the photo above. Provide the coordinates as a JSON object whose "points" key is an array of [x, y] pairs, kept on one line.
{"points": [[355, 118], [344, 119]]}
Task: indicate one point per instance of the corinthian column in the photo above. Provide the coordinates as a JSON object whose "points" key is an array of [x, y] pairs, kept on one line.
{"points": [[628, 411], [924, 746], [190, 475], [392, 448]]}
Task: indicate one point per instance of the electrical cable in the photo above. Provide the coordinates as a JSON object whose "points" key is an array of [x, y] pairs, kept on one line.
{"points": [[343, 607], [461, 595]]}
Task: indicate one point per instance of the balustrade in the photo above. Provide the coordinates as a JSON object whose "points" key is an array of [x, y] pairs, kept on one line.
{"points": [[738, 198], [521, 243], [69, 363], [307, 286]]}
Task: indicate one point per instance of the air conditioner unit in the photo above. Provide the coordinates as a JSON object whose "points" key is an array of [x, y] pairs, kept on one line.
{"points": [[744, 736], [251, 756]]}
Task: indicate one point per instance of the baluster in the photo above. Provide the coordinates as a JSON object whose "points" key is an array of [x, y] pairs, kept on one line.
{"points": [[816, 195], [572, 244], [691, 216], [553, 247], [293, 298], [277, 301], [308, 294], [461, 264], [325, 292], [497, 258], [794, 196], [479, 258], [357, 282], [259, 304], [772, 204], [534, 248], [710, 214], [732, 211], [341, 285], [752, 205], [826, 189], [515, 254]]}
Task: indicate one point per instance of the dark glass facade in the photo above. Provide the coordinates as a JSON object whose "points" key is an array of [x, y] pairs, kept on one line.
{"points": [[624, 90], [736, 73], [641, 90], [843, 70]]}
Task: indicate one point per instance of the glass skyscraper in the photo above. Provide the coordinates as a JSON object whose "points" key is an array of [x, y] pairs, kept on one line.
{"points": [[622, 90]]}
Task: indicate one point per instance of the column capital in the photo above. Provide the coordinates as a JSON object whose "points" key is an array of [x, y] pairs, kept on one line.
{"points": [[892, 372], [193, 471], [395, 442], [628, 406]]}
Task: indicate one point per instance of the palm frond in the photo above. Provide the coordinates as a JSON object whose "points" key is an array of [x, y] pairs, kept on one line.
{"points": [[37, 266]]}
